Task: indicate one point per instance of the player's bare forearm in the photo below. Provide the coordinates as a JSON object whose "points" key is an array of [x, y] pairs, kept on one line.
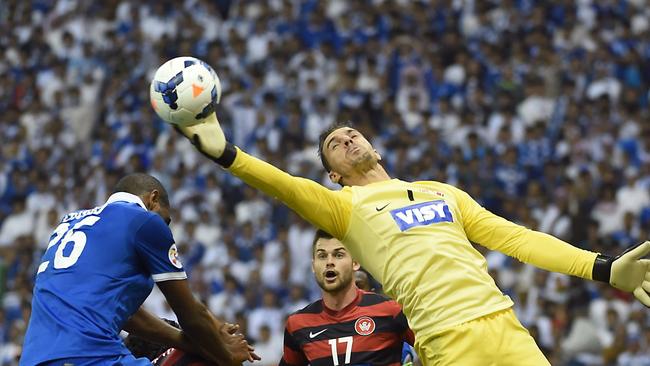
{"points": [[150, 327], [217, 341], [211, 338], [204, 332]]}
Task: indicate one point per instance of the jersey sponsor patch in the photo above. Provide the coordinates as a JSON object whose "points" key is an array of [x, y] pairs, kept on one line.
{"points": [[421, 214], [173, 256], [364, 326]]}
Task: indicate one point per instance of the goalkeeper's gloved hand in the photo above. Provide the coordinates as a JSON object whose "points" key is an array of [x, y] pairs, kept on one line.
{"points": [[628, 271], [209, 140]]}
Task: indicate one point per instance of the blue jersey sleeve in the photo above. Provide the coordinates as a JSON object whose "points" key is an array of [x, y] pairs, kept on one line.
{"points": [[154, 244]]}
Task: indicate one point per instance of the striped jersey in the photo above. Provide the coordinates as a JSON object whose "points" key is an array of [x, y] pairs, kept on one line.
{"points": [[371, 330]]}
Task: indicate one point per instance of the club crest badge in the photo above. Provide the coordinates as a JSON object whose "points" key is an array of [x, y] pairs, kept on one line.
{"points": [[364, 326]]}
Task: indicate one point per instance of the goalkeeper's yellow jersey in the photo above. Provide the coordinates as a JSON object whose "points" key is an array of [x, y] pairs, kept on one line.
{"points": [[414, 238]]}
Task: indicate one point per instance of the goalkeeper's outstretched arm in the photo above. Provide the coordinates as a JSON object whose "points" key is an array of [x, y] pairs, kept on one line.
{"points": [[628, 271], [325, 209]]}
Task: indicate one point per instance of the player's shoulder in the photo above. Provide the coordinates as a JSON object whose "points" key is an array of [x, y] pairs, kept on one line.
{"points": [[297, 319], [315, 307], [138, 219], [373, 299], [151, 225], [369, 298]]}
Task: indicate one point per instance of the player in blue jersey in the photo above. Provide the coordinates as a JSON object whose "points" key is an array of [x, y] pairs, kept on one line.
{"points": [[99, 267]]}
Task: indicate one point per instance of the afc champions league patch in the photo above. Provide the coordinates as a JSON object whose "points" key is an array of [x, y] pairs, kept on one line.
{"points": [[364, 326], [172, 254]]}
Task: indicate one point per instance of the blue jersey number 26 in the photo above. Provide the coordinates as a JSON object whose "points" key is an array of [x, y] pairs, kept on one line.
{"points": [[63, 235]]}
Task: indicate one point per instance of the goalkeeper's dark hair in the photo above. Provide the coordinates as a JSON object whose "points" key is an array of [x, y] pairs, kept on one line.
{"points": [[140, 347], [321, 142], [320, 234], [139, 184]]}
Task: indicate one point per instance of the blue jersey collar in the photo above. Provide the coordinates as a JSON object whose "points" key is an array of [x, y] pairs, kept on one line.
{"points": [[125, 197]]}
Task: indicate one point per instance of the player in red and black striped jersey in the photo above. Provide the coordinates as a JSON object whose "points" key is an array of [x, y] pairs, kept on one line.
{"points": [[347, 326]]}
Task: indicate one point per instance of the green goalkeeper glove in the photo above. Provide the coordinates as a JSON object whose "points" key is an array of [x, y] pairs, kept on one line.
{"points": [[627, 271], [209, 140]]}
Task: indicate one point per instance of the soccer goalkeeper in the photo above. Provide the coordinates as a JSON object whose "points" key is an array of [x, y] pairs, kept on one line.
{"points": [[415, 238]]}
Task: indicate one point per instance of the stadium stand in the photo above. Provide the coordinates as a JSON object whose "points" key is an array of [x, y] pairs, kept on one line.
{"points": [[537, 109]]}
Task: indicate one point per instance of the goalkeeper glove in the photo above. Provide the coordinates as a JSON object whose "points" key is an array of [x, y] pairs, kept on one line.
{"points": [[209, 140], [627, 271]]}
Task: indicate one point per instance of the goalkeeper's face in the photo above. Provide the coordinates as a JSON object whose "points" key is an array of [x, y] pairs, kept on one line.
{"points": [[333, 266], [348, 153]]}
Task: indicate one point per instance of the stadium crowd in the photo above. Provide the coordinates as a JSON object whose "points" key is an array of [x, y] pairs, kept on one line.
{"points": [[539, 110]]}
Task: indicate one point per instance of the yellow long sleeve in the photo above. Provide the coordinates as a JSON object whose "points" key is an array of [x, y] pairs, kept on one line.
{"points": [[536, 248], [326, 209]]}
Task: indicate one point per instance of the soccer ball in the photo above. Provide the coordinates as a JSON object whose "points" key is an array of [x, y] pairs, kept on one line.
{"points": [[184, 91]]}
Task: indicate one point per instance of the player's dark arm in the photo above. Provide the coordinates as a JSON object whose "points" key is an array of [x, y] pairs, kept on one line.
{"points": [[151, 328], [209, 336], [154, 244]]}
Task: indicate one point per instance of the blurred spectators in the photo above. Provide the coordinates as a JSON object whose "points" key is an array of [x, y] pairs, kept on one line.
{"points": [[537, 109]]}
